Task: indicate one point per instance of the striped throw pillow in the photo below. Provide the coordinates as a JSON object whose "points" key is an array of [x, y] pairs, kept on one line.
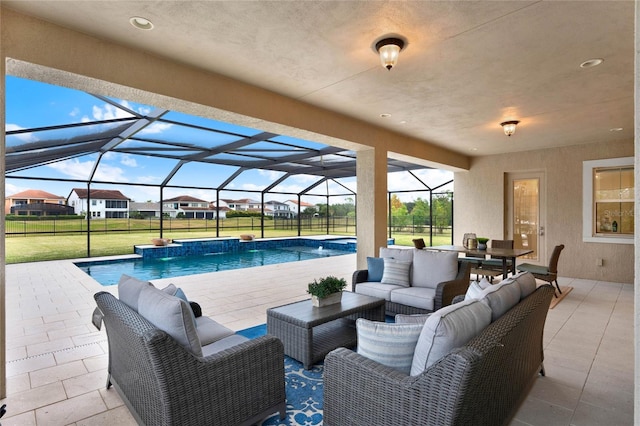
{"points": [[392, 345], [396, 272]]}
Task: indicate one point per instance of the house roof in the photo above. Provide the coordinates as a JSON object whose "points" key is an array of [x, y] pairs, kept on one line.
{"points": [[186, 198], [100, 194], [36, 194], [302, 203]]}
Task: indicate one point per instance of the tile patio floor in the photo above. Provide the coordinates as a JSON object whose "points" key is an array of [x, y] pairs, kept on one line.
{"points": [[56, 360]]}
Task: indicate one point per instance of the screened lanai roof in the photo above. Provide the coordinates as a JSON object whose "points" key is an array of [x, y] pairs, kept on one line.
{"points": [[143, 132]]}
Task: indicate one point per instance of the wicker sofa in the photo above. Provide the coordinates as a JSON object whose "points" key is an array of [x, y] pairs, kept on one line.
{"points": [[165, 380], [482, 382], [433, 280]]}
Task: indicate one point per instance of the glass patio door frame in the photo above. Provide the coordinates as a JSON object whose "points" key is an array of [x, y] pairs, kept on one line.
{"points": [[539, 228]]}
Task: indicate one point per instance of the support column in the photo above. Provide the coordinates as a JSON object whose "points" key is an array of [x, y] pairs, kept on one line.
{"points": [[371, 206], [3, 311]]}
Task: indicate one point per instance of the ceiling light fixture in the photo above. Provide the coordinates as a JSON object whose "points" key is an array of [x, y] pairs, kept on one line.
{"points": [[509, 127], [389, 50], [590, 63], [141, 23]]}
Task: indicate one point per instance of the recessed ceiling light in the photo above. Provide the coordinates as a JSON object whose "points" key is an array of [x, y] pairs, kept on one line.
{"points": [[141, 23], [473, 149], [616, 129], [403, 122], [590, 63], [385, 115]]}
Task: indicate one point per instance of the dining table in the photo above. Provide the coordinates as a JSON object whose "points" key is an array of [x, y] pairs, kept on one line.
{"points": [[505, 254]]}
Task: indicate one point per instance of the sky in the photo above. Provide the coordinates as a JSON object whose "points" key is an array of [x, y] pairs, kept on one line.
{"points": [[31, 104]]}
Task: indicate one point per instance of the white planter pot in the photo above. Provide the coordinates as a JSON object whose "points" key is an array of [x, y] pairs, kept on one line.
{"points": [[329, 300]]}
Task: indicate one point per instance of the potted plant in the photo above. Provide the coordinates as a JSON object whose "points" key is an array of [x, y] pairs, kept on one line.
{"points": [[326, 291], [482, 243]]}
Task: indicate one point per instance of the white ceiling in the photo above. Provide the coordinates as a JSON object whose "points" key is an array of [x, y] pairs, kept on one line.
{"points": [[468, 65]]}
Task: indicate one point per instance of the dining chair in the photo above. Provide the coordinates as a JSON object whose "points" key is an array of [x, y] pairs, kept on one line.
{"points": [[495, 263], [546, 273]]}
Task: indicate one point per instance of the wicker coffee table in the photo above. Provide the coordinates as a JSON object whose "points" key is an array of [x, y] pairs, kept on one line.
{"points": [[309, 333]]}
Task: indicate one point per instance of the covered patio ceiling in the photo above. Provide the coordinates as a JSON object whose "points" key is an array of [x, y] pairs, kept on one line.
{"points": [[144, 131]]}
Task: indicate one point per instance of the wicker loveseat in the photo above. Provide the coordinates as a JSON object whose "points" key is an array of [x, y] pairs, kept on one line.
{"points": [[480, 383], [433, 280], [165, 381]]}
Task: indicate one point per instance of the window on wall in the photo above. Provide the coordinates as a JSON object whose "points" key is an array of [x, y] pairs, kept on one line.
{"points": [[608, 200]]}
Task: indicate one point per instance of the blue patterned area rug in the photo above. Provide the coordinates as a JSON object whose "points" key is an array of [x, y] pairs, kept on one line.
{"points": [[304, 389]]}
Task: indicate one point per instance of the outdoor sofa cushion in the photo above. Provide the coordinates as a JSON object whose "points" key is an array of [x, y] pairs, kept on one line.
{"points": [[448, 328], [379, 290], [171, 315], [129, 289], [430, 268], [418, 297], [501, 297], [389, 344], [375, 268], [396, 272]]}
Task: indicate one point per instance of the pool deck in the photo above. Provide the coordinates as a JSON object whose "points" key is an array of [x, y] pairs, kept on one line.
{"points": [[56, 360]]}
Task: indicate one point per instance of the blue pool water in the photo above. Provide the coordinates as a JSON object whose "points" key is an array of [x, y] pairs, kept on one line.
{"points": [[108, 272]]}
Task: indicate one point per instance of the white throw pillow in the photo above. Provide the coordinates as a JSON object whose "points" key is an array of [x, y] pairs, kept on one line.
{"points": [[476, 289], [171, 315], [389, 344], [431, 268], [396, 272], [449, 328]]}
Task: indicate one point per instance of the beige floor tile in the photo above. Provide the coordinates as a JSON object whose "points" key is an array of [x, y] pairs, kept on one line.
{"points": [[57, 373], [589, 415], [118, 416], [588, 341], [71, 410]]}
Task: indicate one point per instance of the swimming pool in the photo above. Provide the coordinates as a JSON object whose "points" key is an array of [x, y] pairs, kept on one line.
{"points": [[108, 272]]}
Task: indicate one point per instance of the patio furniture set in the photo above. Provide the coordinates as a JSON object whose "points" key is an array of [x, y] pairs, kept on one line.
{"points": [[467, 362]]}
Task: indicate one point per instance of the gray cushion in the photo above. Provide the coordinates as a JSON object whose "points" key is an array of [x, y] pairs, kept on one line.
{"points": [[177, 292], [418, 297], [171, 315], [397, 253], [389, 344], [379, 290], [430, 268], [411, 318], [527, 283], [448, 328], [129, 289], [210, 331], [501, 297], [396, 272], [222, 344]]}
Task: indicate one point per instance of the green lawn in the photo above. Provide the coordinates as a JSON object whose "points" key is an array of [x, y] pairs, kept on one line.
{"points": [[20, 249]]}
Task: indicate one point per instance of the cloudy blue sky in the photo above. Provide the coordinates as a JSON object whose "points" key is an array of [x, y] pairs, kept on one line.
{"points": [[31, 104]]}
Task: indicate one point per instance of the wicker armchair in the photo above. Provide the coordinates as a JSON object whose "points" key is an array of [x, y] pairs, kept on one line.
{"points": [[163, 384], [481, 383]]}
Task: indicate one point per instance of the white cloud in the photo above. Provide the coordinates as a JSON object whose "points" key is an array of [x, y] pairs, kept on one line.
{"points": [[127, 160], [74, 112], [76, 169], [155, 128], [24, 137]]}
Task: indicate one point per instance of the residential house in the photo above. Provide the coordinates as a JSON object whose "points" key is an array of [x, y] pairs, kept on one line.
{"points": [[296, 207], [35, 202], [244, 205], [278, 209], [193, 208], [101, 203]]}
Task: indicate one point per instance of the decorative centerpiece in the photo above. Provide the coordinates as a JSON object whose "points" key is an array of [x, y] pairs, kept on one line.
{"points": [[482, 243], [326, 291]]}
